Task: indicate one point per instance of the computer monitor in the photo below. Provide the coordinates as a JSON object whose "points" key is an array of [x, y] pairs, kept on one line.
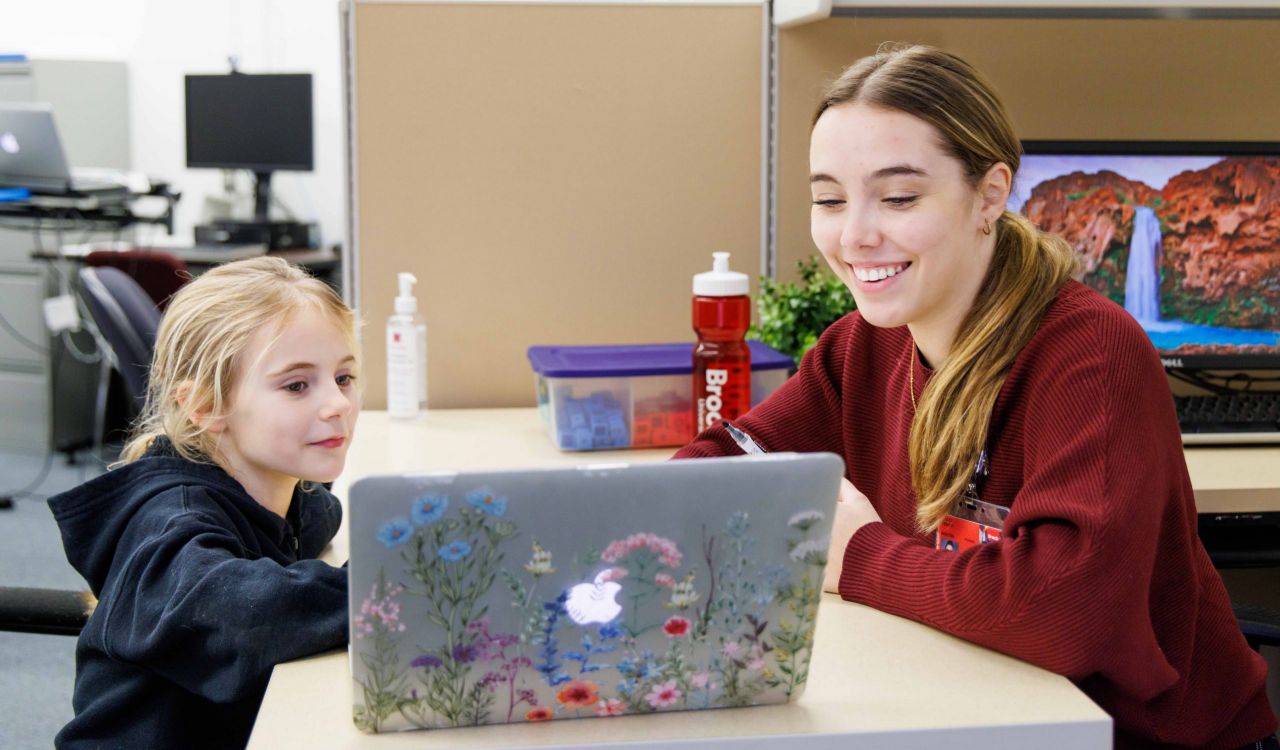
{"points": [[1184, 235], [262, 123]]}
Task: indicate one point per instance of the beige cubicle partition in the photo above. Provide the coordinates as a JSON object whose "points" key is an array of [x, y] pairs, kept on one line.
{"points": [[551, 173], [1086, 79]]}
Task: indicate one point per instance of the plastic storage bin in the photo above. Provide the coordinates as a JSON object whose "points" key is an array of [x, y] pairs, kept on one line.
{"points": [[639, 396]]}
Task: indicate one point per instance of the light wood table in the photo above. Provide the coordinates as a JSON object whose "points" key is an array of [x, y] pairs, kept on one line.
{"points": [[1235, 480], [877, 680]]}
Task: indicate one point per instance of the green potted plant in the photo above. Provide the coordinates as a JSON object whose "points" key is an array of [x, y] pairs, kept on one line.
{"points": [[793, 314]]}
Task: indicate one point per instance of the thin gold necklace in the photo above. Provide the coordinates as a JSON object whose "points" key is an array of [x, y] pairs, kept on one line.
{"points": [[911, 377]]}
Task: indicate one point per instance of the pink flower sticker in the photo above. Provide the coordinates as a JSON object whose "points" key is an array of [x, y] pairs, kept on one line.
{"points": [[663, 695]]}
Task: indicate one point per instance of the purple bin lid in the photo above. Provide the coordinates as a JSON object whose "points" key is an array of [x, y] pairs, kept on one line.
{"points": [[635, 359]]}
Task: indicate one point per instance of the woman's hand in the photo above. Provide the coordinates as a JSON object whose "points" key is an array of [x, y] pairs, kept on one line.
{"points": [[853, 511]]}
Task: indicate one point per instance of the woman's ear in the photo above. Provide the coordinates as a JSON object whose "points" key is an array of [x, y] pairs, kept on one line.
{"points": [[197, 411], [994, 190]]}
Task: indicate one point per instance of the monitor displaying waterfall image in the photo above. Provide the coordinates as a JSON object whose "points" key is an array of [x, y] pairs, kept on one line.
{"points": [[1185, 236]]}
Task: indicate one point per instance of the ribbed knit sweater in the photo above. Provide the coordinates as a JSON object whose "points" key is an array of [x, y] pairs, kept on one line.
{"points": [[1100, 575]]}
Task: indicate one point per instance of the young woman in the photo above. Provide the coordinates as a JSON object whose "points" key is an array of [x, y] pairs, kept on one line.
{"points": [[978, 386], [199, 545]]}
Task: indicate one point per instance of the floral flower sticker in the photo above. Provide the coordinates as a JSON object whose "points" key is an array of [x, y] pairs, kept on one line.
{"points": [[540, 564], [811, 551], [541, 713], [426, 661], [579, 694], [379, 612], [454, 551], [427, 510], [395, 532], [682, 594], [486, 501], [805, 519], [663, 694], [676, 626], [664, 549]]}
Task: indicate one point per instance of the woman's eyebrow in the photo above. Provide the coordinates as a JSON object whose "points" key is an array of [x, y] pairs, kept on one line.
{"points": [[897, 170]]}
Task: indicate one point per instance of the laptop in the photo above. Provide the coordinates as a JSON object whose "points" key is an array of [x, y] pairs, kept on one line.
{"points": [[31, 156], [522, 596]]}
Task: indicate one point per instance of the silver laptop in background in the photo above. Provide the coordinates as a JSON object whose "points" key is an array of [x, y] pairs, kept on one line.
{"points": [[31, 156], [520, 596]]}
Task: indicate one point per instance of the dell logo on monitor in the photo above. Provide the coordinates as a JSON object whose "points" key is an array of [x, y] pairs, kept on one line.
{"points": [[9, 143], [1171, 361]]}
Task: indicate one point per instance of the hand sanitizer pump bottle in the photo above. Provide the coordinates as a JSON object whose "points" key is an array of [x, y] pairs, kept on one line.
{"points": [[721, 359], [406, 355]]}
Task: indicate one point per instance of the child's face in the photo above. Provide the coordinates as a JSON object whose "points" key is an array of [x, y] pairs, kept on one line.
{"points": [[293, 406]]}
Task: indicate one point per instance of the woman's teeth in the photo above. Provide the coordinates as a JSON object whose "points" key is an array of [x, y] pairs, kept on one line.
{"points": [[879, 274]]}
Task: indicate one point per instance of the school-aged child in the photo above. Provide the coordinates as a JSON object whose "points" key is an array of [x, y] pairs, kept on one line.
{"points": [[199, 544]]}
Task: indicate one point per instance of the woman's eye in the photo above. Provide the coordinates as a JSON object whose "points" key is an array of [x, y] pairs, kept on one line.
{"points": [[898, 201], [345, 380], [829, 202], [296, 387]]}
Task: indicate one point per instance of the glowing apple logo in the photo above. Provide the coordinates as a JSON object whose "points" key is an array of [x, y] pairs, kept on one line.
{"points": [[594, 602], [9, 142]]}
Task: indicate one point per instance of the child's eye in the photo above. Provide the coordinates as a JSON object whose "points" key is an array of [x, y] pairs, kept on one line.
{"points": [[829, 202], [901, 201], [345, 380], [296, 387]]}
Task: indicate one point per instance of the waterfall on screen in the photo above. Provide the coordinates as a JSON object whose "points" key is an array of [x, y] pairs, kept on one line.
{"points": [[1142, 281]]}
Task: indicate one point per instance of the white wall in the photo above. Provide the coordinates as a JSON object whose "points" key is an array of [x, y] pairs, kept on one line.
{"points": [[163, 40]]}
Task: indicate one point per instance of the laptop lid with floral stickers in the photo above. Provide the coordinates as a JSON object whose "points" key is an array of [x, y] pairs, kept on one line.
{"points": [[522, 596]]}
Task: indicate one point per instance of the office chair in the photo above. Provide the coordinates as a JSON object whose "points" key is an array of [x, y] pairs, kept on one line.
{"points": [[126, 319], [159, 273]]}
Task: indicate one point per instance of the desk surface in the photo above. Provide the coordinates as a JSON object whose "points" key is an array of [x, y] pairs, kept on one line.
{"points": [[874, 676]]}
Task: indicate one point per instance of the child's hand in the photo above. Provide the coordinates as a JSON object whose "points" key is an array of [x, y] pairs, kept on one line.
{"points": [[853, 511]]}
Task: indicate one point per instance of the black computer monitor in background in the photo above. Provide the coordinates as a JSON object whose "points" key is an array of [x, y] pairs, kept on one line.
{"points": [[262, 123], [1183, 235]]}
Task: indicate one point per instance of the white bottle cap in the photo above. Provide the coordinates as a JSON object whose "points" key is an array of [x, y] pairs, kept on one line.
{"points": [[406, 303], [720, 281]]}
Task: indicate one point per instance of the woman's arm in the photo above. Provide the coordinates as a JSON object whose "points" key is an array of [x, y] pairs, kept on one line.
{"points": [[802, 415], [1068, 585]]}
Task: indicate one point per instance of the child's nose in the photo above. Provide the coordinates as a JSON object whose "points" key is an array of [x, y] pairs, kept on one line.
{"points": [[336, 403]]}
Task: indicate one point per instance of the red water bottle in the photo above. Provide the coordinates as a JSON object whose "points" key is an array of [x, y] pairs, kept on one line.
{"points": [[721, 359]]}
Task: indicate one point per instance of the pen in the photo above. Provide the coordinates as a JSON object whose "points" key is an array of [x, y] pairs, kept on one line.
{"points": [[743, 440]]}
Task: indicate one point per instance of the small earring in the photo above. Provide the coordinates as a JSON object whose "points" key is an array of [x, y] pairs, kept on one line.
{"points": [[986, 227]]}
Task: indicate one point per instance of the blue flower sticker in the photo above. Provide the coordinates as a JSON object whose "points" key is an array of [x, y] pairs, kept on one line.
{"points": [[426, 661], [465, 653], [455, 550], [395, 532], [484, 500], [429, 509]]}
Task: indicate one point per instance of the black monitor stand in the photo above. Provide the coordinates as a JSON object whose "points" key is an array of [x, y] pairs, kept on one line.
{"points": [[261, 197]]}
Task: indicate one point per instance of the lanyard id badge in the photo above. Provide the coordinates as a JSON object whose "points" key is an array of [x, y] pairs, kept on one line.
{"points": [[973, 522]]}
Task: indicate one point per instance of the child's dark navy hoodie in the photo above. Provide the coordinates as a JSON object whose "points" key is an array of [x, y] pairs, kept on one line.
{"points": [[201, 592]]}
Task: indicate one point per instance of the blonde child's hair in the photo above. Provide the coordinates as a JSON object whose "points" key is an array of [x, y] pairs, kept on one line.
{"points": [[202, 338]]}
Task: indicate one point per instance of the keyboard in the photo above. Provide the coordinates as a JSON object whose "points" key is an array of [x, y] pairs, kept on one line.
{"points": [[1244, 417]]}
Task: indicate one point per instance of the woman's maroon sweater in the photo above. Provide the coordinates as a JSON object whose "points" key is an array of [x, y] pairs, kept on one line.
{"points": [[1100, 575]]}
